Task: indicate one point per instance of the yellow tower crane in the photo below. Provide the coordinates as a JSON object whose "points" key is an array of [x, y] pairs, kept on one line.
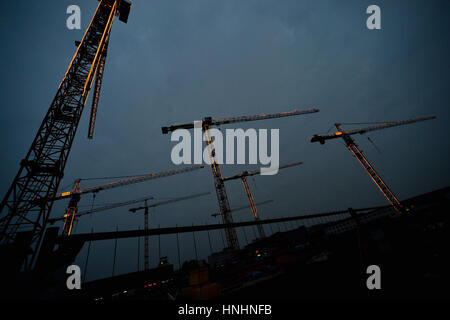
{"points": [[243, 176], [353, 147]]}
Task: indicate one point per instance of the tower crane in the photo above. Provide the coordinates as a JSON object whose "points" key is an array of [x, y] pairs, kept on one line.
{"points": [[353, 147], [243, 176], [219, 185], [146, 224], [75, 194], [43, 167]]}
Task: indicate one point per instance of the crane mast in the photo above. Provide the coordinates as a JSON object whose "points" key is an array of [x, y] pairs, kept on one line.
{"points": [[353, 147], [261, 232], [42, 168], [224, 205]]}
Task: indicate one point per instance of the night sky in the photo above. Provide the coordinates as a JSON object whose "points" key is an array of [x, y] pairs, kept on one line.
{"points": [[179, 61]]}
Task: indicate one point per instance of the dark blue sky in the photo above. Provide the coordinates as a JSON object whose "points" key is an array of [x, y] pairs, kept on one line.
{"points": [[179, 61]]}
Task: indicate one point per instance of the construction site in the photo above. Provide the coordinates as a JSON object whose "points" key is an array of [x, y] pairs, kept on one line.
{"points": [[207, 230]]}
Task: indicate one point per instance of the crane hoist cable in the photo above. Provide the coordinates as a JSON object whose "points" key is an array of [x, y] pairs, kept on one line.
{"points": [[374, 145]]}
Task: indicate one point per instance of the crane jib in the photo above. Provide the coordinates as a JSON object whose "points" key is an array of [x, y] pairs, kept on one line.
{"points": [[339, 134], [221, 121]]}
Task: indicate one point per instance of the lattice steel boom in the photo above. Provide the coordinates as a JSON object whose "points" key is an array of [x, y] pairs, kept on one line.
{"points": [[42, 169], [132, 180], [253, 207], [323, 137], [221, 192], [222, 121]]}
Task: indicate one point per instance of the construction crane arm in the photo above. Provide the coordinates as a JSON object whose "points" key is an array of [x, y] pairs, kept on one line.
{"points": [[221, 121], [322, 137], [258, 171], [133, 180]]}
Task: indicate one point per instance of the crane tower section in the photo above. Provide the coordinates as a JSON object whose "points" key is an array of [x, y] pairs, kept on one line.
{"points": [[42, 168]]}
